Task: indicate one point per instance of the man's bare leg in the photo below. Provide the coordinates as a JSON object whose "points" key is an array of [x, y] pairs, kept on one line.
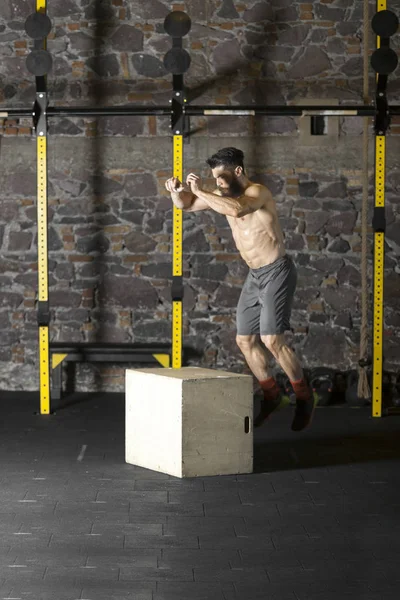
{"points": [[284, 355], [259, 359], [257, 356], [290, 364]]}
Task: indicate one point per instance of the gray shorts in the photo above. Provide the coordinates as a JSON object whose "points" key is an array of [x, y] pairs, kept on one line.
{"points": [[266, 300]]}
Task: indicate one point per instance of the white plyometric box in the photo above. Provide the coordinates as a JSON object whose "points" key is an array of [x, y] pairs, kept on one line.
{"points": [[189, 422]]}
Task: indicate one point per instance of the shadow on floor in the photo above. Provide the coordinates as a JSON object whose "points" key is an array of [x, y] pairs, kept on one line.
{"points": [[323, 451]]}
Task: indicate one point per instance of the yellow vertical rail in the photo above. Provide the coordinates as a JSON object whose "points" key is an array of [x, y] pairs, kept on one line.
{"points": [[43, 291], [41, 6], [379, 266], [43, 279], [379, 263], [177, 257]]}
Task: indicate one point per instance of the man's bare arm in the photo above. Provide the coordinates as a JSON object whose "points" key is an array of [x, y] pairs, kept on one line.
{"points": [[183, 200], [190, 205], [197, 204], [181, 197], [254, 198]]}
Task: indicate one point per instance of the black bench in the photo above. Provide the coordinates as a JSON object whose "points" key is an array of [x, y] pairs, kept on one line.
{"points": [[63, 352]]}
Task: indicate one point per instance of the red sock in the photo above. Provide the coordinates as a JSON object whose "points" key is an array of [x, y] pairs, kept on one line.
{"points": [[270, 388], [301, 389]]}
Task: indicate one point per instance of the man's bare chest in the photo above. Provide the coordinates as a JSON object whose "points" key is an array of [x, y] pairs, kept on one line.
{"points": [[244, 227]]}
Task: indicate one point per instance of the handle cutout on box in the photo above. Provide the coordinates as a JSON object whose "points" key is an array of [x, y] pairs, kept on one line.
{"points": [[246, 424]]}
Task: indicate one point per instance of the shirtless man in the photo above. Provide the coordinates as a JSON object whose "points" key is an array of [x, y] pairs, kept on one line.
{"points": [[263, 311]]}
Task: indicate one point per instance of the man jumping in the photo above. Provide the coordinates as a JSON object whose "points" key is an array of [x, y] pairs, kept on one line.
{"points": [[265, 303]]}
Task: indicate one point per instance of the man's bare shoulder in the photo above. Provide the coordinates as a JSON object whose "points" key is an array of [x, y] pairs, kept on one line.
{"points": [[258, 188], [260, 192], [253, 190]]}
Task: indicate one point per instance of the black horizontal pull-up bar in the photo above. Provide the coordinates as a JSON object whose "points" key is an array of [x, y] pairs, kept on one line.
{"points": [[106, 111], [110, 111], [191, 111]]}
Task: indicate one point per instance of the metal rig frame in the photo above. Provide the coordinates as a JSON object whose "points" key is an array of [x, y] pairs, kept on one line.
{"points": [[179, 111]]}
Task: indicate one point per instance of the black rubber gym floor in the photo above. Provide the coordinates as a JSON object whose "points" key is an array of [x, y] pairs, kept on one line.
{"points": [[319, 518]]}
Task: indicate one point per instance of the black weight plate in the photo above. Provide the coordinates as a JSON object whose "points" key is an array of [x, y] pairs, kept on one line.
{"points": [[385, 23], [177, 61], [177, 23], [39, 62], [38, 26], [384, 61]]}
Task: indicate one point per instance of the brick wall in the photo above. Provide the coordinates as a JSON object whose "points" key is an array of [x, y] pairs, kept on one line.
{"points": [[110, 220]]}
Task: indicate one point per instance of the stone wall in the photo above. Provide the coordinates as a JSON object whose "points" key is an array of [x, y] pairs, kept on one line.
{"points": [[110, 219]]}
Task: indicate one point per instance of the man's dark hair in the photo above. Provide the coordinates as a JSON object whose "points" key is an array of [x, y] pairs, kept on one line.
{"points": [[226, 157]]}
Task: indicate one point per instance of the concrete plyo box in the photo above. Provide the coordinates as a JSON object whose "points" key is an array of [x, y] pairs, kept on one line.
{"points": [[189, 422]]}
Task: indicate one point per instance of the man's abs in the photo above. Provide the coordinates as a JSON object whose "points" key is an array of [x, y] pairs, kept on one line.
{"points": [[258, 237]]}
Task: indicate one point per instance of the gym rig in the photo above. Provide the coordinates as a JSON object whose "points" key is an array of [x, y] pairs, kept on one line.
{"points": [[177, 61]]}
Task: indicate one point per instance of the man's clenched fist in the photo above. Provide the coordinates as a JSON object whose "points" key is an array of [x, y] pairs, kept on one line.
{"points": [[174, 185]]}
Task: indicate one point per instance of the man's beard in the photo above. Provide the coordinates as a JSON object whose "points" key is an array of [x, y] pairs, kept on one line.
{"points": [[234, 190]]}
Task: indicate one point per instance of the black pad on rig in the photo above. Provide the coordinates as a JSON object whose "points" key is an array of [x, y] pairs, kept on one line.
{"points": [[39, 62], [177, 61], [385, 23], [38, 26], [384, 60], [177, 23]]}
